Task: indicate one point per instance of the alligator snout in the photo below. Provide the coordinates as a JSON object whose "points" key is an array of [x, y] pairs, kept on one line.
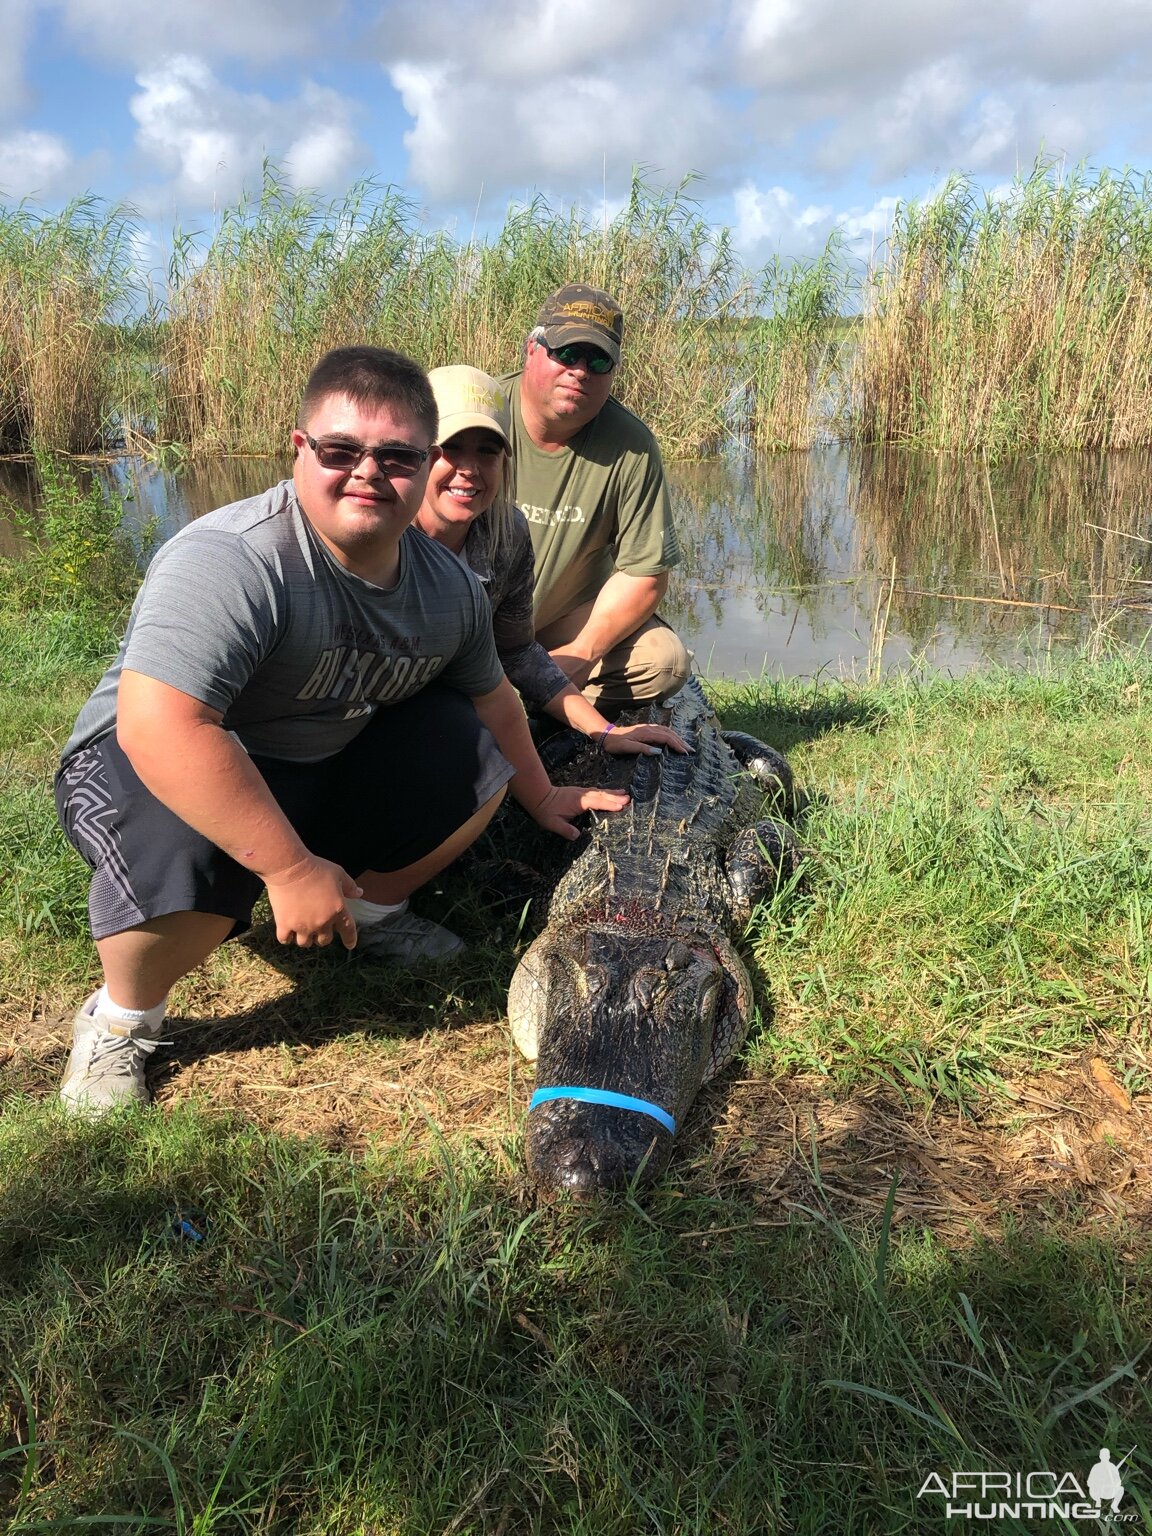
{"points": [[585, 1150]]}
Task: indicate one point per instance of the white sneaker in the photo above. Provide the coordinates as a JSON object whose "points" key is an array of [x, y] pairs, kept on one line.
{"points": [[408, 939], [106, 1067]]}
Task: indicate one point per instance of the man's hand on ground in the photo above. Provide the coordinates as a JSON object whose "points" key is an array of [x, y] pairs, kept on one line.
{"points": [[307, 901]]}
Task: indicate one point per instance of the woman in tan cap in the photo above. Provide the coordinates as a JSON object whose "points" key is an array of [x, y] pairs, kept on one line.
{"points": [[468, 508]]}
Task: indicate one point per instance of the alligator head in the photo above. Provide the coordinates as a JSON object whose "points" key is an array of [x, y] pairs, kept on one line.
{"points": [[625, 1026]]}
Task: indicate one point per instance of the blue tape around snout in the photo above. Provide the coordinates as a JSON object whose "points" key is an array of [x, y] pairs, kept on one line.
{"points": [[605, 1096]]}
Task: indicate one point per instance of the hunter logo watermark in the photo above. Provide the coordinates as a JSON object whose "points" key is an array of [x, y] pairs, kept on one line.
{"points": [[1038, 1495]]}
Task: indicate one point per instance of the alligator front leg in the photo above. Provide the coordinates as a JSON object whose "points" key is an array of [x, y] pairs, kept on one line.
{"points": [[768, 767], [759, 860]]}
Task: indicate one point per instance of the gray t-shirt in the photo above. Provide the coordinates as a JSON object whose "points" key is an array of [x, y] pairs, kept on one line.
{"points": [[247, 611]]}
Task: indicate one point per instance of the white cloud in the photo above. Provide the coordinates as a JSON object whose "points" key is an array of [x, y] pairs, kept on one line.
{"points": [[564, 96], [772, 221], [35, 165], [568, 133], [867, 229], [211, 140], [326, 152], [841, 46], [513, 41], [15, 27], [141, 32], [974, 85]]}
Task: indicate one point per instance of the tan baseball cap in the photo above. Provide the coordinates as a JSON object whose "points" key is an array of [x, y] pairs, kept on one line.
{"points": [[579, 313], [467, 397]]}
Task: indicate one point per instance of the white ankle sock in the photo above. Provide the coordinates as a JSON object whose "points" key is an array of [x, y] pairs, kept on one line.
{"points": [[152, 1017], [365, 913]]}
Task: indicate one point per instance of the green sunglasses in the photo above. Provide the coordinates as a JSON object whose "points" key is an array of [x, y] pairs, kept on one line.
{"points": [[595, 361]]}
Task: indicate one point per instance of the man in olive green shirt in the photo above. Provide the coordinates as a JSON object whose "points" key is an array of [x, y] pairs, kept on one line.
{"points": [[590, 481]]}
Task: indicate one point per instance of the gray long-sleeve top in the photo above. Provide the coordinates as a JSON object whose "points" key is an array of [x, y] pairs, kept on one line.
{"points": [[527, 664]]}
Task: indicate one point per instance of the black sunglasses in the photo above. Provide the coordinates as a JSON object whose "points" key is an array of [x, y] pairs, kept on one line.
{"points": [[392, 459], [568, 357]]}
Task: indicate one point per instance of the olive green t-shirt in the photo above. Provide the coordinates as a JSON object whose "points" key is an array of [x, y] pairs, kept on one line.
{"points": [[599, 504]]}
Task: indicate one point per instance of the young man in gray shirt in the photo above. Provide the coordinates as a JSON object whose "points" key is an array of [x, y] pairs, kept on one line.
{"points": [[308, 700]]}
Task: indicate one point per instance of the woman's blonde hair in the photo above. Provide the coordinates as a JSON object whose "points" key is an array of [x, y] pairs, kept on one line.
{"points": [[501, 514]]}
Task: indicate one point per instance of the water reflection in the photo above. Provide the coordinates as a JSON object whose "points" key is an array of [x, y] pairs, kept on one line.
{"points": [[837, 561], [844, 560]]}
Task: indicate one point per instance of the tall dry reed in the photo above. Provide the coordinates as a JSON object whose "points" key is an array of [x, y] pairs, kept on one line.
{"points": [[1020, 321], [66, 280], [793, 352], [288, 276], [713, 351], [1015, 322]]}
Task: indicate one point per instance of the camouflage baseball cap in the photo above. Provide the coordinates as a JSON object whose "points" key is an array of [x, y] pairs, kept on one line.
{"points": [[578, 313]]}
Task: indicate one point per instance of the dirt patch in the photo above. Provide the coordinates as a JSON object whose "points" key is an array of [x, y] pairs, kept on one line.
{"points": [[442, 1084], [1062, 1147]]}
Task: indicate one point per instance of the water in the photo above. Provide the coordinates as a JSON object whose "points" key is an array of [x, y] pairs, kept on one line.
{"points": [[837, 562]]}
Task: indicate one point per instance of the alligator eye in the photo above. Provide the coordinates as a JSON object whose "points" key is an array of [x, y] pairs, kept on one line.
{"points": [[710, 998], [595, 978]]}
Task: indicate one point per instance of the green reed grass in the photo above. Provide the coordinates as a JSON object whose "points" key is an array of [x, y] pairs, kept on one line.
{"points": [[288, 275], [795, 351], [77, 557], [66, 284], [397, 1344], [1014, 321]]}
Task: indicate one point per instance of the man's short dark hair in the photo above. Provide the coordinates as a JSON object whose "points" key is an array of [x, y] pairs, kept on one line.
{"points": [[371, 376]]}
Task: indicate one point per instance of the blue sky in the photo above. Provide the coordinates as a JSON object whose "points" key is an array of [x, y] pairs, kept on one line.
{"points": [[797, 115]]}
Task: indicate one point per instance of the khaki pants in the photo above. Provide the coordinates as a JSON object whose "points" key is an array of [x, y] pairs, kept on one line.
{"points": [[649, 666]]}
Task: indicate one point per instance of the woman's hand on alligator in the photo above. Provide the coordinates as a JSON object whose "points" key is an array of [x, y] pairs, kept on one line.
{"points": [[565, 801], [643, 739]]}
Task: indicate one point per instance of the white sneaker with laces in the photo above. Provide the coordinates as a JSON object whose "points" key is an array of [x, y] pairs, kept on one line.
{"points": [[106, 1067], [408, 939]]}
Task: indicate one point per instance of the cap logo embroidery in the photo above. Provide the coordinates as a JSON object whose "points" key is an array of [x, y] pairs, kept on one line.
{"points": [[585, 309], [492, 398]]}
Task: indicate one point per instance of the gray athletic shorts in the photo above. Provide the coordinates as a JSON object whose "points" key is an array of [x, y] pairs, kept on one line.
{"points": [[414, 774]]}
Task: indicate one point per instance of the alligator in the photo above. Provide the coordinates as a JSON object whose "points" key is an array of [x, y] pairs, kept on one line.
{"points": [[633, 996]]}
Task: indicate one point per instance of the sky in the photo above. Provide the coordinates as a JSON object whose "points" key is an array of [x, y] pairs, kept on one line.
{"points": [[797, 116]]}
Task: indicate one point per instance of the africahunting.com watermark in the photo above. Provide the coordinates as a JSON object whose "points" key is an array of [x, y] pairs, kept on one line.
{"points": [[1039, 1495]]}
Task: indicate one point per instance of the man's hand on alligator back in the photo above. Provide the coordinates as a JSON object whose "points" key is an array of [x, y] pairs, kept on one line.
{"points": [[633, 995]]}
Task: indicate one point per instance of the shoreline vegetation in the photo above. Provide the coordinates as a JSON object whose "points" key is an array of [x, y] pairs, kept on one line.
{"points": [[1020, 322], [906, 1239]]}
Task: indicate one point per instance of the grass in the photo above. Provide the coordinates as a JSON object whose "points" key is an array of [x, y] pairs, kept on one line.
{"points": [[311, 1292], [287, 275], [397, 1345], [985, 880]]}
